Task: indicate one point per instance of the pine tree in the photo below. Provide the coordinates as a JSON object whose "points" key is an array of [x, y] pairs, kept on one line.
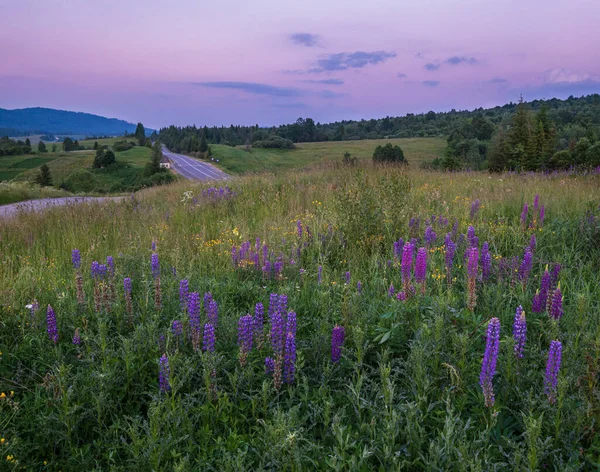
{"points": [[203, 143], [140, 134], [519, 138], [42, 147]]}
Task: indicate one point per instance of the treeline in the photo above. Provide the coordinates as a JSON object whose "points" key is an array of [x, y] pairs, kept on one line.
{"points": [[10, 147], [470, 133]]}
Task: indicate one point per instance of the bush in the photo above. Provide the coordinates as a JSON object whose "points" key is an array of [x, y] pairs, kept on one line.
{"points": [[274, 142], [103, 159], [122, 145], [80, 181], [561, 160], [389, 153], [44, 179]]}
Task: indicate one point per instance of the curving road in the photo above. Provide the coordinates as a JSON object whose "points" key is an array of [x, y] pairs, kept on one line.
{"points": [[193, 169], [14, 209]]}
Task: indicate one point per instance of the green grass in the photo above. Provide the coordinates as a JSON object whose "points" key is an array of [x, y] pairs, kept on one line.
{"points": [[405, 395], [238, 160], [14, 192]]}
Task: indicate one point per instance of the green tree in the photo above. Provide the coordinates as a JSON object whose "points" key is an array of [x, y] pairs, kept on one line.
{"points": [[44, 178], [95, 145], [153, 167], [593, 155], [389, 153], [140, 134], [519, 137], [203, 143], [580, 151], [42, 147], [54, 148], [103, 158]]}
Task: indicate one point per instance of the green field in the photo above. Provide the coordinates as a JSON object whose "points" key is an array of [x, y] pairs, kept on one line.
{"points": [[403, 392], [238, 161]]}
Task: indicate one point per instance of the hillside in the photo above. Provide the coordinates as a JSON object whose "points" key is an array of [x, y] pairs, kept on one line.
{"points": [[28, 121]]}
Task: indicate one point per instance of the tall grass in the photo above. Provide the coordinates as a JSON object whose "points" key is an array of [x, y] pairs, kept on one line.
{"points": [[405, 394]]}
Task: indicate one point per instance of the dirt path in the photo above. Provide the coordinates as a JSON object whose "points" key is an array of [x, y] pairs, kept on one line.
{"points": [[14, 209]]}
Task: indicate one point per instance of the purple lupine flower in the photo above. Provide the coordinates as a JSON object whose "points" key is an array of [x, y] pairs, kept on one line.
{"points": [[110, 265], [76, 258], [184, 290], [245, 336], [519, 332], [388, 263], [391, 290], [533, 242], [265, 250], [398, 245], [76, 338], [552, 370], [269, 365], [213, 313], [273, 304], [542, 215], [51, 325], [490, 357], [320, 275], [259, 316], [234, 255], [282, 304], [127, 285], [289, 361], [291, 324], [472, 265], [177, 328], [155, 265], [450, 251], [359, 287], [337, 340], [153, 246], [277, 331], [164, 372], [556, 306], [421, 267], [208, 344], [474, 208], [536, 203], [486, 261], [555, 274], [524, 215], [454, 229], [471, 236], [347, 277], [430, 236], [538, 304], [545, 286], [207, 299], [526, 265], [278, 266], [102, 271], [193, 308], [407, 263], [266, 269], [299, 229], [95, 269], [401, 296]]}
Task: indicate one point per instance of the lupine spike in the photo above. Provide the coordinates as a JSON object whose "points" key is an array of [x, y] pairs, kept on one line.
{"points": [[556, 307], [490, 358], [76, 258], [552, 371], [289, 362], [208, 344], [337, 340], [183, 294], [421, 268], [51, 325], [519, 332], [407, 263], [472, 266], [164, 372]]}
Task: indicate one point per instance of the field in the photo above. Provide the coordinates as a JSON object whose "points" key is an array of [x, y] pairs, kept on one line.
{"points": [[238, 161], [121, 373]]}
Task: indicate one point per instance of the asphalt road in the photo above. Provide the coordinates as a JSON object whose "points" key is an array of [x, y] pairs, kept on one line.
{"points": [[14, 209], [193, 169]]}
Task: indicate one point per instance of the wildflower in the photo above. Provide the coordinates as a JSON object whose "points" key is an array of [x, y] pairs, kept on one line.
{"points": [[194, 318], [401, 296], [538, 304], [273, 304], [555, 274], [486, 261], [299, 229], [277, 340], [552, 370], [347, 277], [320, 275], [337, 340], [234, 256], [359, 287], [542, 215], [421, 268], [407, 262], [183, 294], [76, 259], [177, 329], [51, 325], [213, 313], [282, 304], [398, 245], [533, 242], [269, 365], [519, 332], [153, 246], [474, 209], [430, 236], [556, 307], [155, 265], [110, 265], [289, 363], [545, 288], [208, 344], [536, 203], [95, 269], [471, 236], [76, 338], [128, 300], [164, 372], [450, 247], [488, 366], [245, 337], [259, 313], [391, 290], [471, 277], [526, 265]]}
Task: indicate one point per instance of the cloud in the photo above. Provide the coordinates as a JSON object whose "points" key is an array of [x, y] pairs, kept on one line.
{"points": [[353, 60], [431, 66], [567, 76], [497, 80], [325, 82], [254, 88], [431, 83], [304, 39], [328, 94], [291, 106], [400, 75], [456, 60]]}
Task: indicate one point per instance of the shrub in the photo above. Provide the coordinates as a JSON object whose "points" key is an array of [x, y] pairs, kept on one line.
{"points": [[44, 178], [80, 181], [122, 145], [103, 159], [275, 142], [389, 153]]}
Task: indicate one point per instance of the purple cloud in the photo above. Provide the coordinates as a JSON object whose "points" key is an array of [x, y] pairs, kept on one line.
{"points": [[258, 89], [325, 82], [354, 60], [400, 75], [456, 60], [431, 66], [431, 83], [304, 39]]}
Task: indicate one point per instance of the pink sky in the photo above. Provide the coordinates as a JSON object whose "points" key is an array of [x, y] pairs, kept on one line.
{"points": [[268, 62]]}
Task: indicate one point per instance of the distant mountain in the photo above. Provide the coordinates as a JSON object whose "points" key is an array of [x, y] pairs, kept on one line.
{"points": [[28, 121]]}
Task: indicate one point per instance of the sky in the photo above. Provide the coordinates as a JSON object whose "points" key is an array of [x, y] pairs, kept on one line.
{"points": [[269, 62]]}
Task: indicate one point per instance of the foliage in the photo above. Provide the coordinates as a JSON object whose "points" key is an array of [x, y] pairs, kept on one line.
{"points": [[42, 147], [44, 178], [274, 142], [104, 158], [140, 134], [389, 154], [122, 145], [153, 167], [10, 147], [71, 145], [80, 181]]}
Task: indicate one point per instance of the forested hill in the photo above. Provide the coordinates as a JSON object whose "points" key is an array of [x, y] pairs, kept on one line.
{"points": [[27, 121], [573, 116]]}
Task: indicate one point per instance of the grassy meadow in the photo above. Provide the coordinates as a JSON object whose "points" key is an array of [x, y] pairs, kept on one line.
{"points": [[237, 160], [121, 374]]}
